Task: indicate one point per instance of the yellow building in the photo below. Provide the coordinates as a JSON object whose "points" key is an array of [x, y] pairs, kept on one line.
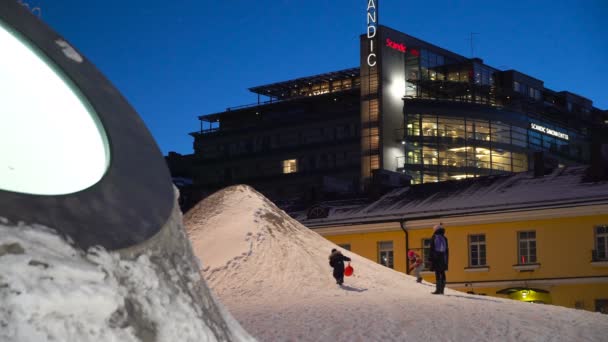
{"points": [[537, 239]]}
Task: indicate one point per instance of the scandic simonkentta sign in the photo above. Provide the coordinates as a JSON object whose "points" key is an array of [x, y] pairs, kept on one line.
{"points": [[549, 131]]}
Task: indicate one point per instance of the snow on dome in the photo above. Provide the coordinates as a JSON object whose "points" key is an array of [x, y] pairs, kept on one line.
{"points": [[53, 291], [273, 275]]}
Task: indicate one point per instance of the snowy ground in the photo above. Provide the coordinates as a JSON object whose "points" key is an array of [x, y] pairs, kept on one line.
{"points": [[52, 291], [273, 275]]}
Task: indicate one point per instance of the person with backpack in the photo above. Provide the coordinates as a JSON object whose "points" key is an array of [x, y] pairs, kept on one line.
{"points": [[439, 254], [416, 263], [336, 260]]}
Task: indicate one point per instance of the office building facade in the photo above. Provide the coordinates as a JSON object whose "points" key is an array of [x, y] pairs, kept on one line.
{"points": [[411, 108]]}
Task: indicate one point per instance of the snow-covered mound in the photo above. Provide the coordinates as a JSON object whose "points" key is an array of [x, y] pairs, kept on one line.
{"points": [[273, 275], [51, 290]]}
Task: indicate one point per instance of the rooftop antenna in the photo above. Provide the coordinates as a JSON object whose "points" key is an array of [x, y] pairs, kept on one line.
{"points": [[472, 33]]}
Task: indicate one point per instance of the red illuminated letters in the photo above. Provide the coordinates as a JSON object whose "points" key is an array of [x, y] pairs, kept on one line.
{"points": [[395, 45]]}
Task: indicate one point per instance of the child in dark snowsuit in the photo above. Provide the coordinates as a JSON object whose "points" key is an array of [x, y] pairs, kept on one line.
{"points": [[439, 254], [336, 260]]}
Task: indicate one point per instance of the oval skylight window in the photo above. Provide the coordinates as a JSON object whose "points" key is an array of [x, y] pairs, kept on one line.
{"points": [[51, 140]]}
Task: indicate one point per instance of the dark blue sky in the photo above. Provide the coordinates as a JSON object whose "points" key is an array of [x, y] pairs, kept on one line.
{"points": [[175, 60]]}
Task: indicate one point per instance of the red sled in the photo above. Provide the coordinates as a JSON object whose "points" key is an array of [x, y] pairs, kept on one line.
{"points": [[348, 270]]}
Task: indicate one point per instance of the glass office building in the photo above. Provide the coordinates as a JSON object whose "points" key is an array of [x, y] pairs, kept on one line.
{"points": [[436, 115], [410, 111]]}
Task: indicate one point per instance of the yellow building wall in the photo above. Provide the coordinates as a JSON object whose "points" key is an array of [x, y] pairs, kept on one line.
{"points": [[563, 250], [579, 296]]}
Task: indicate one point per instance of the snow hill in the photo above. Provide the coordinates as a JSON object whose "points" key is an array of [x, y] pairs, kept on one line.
{"points": [[273, 275]]}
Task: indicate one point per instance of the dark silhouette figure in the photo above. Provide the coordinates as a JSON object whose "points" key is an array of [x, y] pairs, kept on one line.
{"points": [[439, 255], [336, 260]]}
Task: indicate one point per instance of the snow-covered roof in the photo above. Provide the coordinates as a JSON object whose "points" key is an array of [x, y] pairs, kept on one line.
{"points": [[522, 191]]}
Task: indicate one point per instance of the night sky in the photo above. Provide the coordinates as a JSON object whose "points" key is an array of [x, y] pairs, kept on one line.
{"points": [[175, 60]]}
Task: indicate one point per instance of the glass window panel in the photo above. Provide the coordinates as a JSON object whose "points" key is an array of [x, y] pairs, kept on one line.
{"points": [[501, 133], [440, 60], [520, 162], [464, 76], [477, 250], [482, 131], [454, 76], [345, 246], [429, 125], [535, 139], [385, 253], [448, 127], [430, 156], [375, 162], [424, 71], [290, 166]]}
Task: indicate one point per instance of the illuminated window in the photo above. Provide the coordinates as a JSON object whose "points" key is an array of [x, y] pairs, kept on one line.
{"points": [[375, 162], [527, 247], [477, 250], [290, 166], [369, 111], [385, 253], [373, 110], [370, 139], [601, 243]]}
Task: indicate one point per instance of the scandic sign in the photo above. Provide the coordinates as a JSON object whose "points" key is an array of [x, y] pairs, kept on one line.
{"points": [[400, 47]]}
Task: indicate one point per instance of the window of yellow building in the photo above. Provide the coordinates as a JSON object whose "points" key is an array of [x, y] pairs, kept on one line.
{"points": [[345, 246], [527, 247], [385, 253], [477, 250], [290, 166], [426, 252], [601, 305], [601, 243]]}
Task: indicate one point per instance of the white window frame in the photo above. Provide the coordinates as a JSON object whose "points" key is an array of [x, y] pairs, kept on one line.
{"points": [[481, 245], [426, 251], [527, 241], [601, 249], [388, 252]]}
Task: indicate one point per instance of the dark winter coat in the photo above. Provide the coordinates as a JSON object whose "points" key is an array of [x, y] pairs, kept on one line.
{"points": [[336, 260], [439, 260]]}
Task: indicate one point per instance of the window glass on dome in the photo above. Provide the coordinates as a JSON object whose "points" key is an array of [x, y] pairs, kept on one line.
{"points": [[51, 139]]}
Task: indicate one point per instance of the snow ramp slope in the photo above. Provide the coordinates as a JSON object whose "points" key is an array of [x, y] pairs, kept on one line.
{"points": [[273, 275]]}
